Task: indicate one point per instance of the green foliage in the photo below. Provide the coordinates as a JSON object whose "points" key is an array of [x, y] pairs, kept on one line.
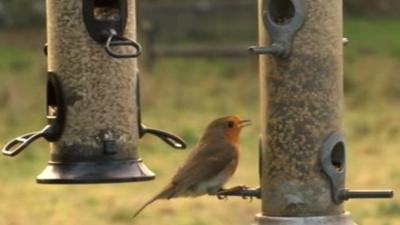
{"points": [[389, 208], [21, 13], [387, 8], [15, 59], [372, 36], [27, 13]]}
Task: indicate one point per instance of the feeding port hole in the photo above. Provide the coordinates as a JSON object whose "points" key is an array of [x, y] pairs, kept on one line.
{"points": [[281, 12], [107, 10]]}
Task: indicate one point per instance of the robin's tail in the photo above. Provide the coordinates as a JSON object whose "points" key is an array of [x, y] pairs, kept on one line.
{"points": [[144, 206], [166, 193]]}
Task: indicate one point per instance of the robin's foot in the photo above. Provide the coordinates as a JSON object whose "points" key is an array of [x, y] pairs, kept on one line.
{"points": [[222, 197], [235, 191], [250, 198]]}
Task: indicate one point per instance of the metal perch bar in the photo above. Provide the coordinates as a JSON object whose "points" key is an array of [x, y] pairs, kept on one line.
{"points": [[363, 194]]}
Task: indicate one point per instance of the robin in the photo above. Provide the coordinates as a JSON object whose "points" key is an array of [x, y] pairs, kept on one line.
{"points": [[210, 165]]}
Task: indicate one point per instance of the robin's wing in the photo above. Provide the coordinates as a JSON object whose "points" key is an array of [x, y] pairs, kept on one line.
{"points": [[203, 164]]}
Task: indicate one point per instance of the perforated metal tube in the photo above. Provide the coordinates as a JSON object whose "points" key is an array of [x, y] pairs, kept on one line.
{"points": [[101, 127], [301, 104]]}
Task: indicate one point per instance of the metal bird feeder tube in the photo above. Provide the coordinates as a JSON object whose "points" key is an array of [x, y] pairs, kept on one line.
{"points": [[301, 83], [93, 102], [301, 96]]}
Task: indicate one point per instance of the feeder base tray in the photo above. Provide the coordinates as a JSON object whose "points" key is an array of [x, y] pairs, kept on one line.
{"points": [[344, 219], [95, 172]]}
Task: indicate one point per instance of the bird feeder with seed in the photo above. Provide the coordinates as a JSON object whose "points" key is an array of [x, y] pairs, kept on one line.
{"points": [[93, 103], [302, 149]]}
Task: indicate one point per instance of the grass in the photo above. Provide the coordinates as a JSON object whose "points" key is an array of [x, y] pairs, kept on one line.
{"points": [[182, 96], [372, 36]]}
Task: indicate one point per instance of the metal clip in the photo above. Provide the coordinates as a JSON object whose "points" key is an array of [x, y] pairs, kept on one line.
{"points": [[114, 40], [345, 41], [109, 144]]}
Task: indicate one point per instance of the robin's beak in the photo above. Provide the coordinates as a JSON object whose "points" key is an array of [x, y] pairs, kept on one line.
{"points": [[244, 123]]}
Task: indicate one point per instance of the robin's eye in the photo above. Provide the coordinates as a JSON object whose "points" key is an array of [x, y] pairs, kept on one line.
{"points": [[231, 124]]}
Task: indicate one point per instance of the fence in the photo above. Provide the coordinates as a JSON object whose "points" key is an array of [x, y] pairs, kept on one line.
{"points": [[22, 13], [218, 29]]}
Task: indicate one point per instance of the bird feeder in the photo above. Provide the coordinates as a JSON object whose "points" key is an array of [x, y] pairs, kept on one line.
{"points": [[93, 102], [302, 149], [302, 146]]}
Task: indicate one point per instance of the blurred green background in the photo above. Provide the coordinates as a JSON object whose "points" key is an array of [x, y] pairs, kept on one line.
{"points": [[183, 95]]}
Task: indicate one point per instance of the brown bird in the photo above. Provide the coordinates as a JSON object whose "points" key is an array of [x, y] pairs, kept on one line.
{"points": [[211, 163]]}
